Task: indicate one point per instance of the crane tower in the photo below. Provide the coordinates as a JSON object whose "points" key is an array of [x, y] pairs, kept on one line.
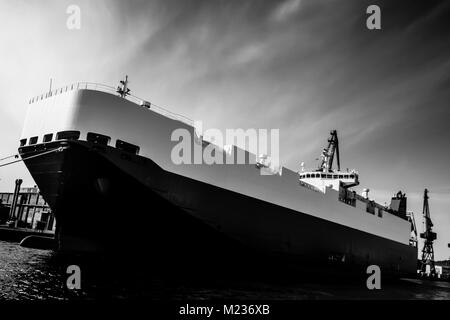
{"points": [[429, 236]]}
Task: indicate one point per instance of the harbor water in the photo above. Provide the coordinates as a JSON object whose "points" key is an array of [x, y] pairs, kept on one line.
{"points": [[32, 274]]}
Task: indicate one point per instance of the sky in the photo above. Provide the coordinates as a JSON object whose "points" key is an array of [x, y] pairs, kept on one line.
{"points": [[304, 67]]}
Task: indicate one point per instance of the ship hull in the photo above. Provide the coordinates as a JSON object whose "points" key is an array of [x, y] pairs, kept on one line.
{"points": [[108, 200]]}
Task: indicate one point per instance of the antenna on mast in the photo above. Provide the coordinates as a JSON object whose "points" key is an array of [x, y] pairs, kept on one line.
{"points": [[123, 89]]}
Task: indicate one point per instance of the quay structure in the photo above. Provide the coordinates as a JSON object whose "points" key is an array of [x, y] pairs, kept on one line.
{"points": [[26, 210]]}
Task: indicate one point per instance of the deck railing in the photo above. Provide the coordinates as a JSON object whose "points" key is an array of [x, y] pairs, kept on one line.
{"points": [[112, 90]]}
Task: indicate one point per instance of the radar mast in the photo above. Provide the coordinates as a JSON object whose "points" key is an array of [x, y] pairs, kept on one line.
{"points": [[123, 89]]}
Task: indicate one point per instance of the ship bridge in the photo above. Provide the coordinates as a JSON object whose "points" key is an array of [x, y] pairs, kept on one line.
{"points": [[325, 176], [333, 179]]}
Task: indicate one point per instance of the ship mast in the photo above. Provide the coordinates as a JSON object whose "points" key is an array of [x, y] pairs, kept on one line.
{"points": [[123, 89], [429, 236], [327, 156]]}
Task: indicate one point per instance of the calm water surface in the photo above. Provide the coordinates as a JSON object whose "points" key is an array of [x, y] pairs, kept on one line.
{"points": [[31, 274]]}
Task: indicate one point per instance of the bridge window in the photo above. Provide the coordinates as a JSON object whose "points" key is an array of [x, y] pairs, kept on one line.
{"points": [[308, 175], [341, 176], [317, 175], [329, 176], [352, 176], [98, 138], [23, 142], [322, 175], [346, 176], [33, 140], [48, 137], [335, 176], [68, 135], [128, 147]]}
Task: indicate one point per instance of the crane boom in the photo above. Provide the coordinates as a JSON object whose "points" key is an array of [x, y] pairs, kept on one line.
{"points": [[327, 156], [412, 220]]}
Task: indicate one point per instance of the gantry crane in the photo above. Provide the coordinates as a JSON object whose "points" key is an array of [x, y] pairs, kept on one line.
{"points": [[429, 236]]}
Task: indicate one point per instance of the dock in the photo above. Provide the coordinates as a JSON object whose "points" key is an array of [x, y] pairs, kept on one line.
{"points": [[24, 213], [18, 234]]}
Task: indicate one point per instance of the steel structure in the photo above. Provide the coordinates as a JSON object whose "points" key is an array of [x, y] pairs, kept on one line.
{"points": [[429, 236], [327, 156]]}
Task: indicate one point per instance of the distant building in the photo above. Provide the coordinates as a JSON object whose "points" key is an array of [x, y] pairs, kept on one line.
{"points": [[31, 210], [34, 189]]}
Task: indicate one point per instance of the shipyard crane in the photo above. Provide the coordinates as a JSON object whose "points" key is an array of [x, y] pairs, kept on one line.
{"points": [[429, 236], [327, 156]]}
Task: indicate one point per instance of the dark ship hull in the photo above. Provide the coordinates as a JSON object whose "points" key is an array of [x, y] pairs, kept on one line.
{"points": [[102, 202]]}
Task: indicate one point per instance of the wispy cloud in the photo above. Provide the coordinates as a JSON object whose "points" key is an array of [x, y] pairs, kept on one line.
{"points": [[248, 54], [286, 10]]}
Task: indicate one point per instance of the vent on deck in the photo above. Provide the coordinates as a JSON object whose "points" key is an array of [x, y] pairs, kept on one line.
{"points": [[68, 135], [98, 138], [33, 140], [48, 137], [128, 147]]}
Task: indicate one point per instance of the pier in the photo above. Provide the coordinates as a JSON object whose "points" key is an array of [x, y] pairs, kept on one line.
{"points": [[24, 213]]}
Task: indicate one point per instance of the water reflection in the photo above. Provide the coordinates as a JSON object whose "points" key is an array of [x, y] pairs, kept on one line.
{"points": [[31, 274]]}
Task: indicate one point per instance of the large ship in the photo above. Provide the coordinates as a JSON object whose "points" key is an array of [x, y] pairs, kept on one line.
{"points": [[102, 160]]}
